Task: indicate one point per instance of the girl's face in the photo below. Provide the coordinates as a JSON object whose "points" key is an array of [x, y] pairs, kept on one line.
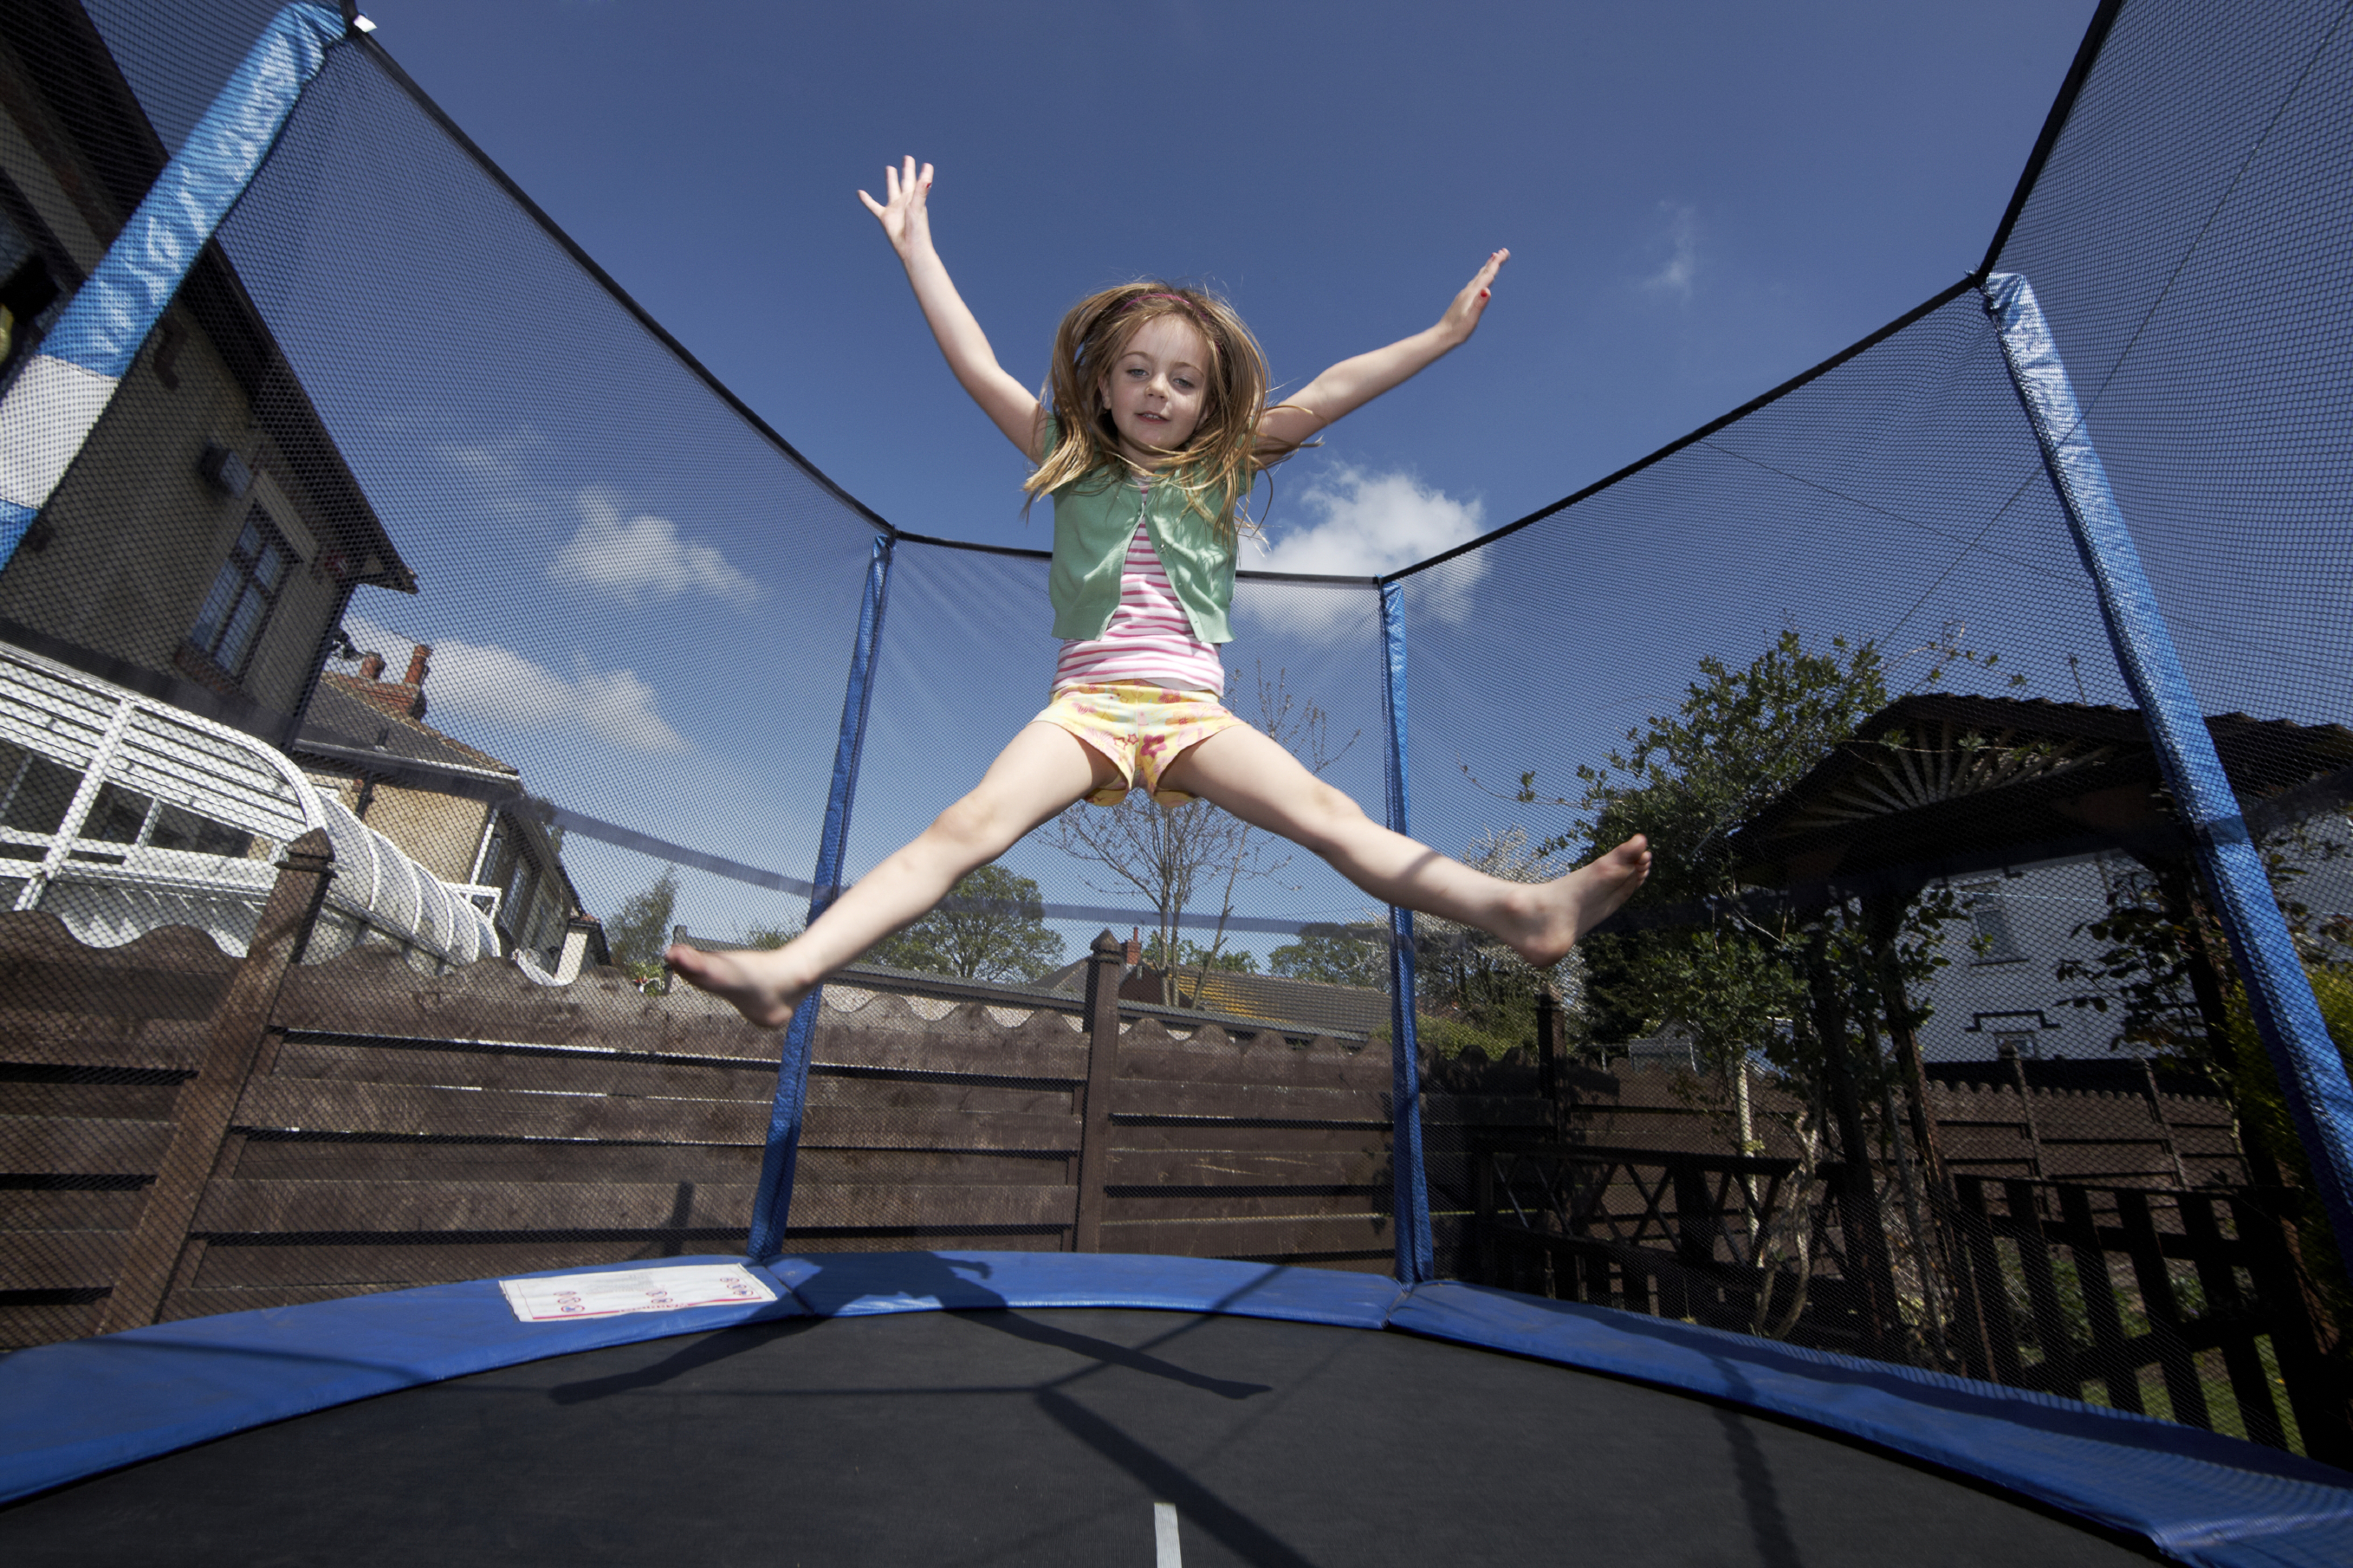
{"points": [[1155, 390]]}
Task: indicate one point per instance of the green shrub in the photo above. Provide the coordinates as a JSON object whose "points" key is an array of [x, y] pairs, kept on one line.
{"points": [[2265, 1121]]}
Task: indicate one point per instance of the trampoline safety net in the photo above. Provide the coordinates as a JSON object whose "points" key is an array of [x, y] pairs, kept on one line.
{"points": [[361, 752]]}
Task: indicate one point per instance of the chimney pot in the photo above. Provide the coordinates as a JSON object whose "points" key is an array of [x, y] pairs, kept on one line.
{"points": [[1134, 946], [417, 669], [372, 666]]}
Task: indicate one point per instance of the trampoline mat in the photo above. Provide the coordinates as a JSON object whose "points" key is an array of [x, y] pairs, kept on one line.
{"points": [[1036, 1437]]}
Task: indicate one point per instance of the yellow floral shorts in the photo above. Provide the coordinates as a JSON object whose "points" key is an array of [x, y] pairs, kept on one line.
{"points": [[1141, 728]]}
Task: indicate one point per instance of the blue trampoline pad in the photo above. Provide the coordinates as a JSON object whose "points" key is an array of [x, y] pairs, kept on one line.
{"points": [[1033, 1436], [1042, 1417]]}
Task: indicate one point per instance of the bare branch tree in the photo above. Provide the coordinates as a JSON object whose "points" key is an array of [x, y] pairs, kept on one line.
{"points": [[1167, 854]]}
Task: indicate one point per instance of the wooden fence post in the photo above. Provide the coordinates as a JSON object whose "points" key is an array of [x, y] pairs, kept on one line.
{"points": [[201, 1116], [1548, 1056], [1999, 1335], [2249, 1384], [2009, 1054], [2080, 1231], [2323, 1413], [2164, 1127], [1106, 960], [2184, 1389]]}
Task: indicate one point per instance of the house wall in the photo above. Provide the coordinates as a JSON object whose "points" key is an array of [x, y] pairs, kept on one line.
{"points": [[439, 832], [136, 534], [1980, 997], [129, 546]]}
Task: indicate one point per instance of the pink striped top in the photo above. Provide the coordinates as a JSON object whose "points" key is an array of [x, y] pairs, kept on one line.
{"points": [[1149, 638]]}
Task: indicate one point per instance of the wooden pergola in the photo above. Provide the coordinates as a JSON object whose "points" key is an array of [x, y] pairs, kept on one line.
{"points": [[1936, 787], [1939, 785]]}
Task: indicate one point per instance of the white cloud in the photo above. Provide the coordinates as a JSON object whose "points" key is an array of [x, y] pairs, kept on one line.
{"points": [[493, 469], [500, 687], [1368, 525], [1675, 274], [643, 557], [1372, 523]]}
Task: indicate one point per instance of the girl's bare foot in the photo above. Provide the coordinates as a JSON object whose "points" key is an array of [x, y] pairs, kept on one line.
{"points": [[758, 984], [1559, 911]]}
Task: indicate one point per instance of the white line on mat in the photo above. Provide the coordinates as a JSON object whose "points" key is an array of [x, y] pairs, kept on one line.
{"points": [[1163, 1534]]}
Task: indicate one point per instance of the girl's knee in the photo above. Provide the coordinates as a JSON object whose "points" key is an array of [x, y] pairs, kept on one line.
{"points": [[1327, 815], [964, 826], [977, 828]]}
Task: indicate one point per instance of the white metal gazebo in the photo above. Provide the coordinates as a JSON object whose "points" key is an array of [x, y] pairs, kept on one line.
{"points": [[120, 814]]}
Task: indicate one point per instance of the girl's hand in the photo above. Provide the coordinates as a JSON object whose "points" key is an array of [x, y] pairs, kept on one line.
{"points": [[1461, 318], [905, 216]]}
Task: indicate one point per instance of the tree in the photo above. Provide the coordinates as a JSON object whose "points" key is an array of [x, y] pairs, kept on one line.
{"points": [[990, 927], [638, 934], [1354, 954], [2165, 967], [1170, 856], [1740, 738], [1193, 955], [773, 936], [2268, 1130], [1475, 991], [1719, 965]]}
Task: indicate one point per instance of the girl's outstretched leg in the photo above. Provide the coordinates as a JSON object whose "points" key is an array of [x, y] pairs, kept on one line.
{"points": [[1249, 775], [1042, 771]]}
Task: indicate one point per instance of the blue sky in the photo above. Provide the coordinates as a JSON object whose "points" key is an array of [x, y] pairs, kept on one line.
{"points": [[1701, 199], [633, 602]]}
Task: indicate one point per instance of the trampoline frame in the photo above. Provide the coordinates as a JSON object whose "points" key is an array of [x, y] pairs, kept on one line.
{"points": [[78, 1409]]}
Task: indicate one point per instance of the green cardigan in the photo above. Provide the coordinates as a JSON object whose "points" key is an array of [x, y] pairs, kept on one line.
{"points": [[1095, 516]]}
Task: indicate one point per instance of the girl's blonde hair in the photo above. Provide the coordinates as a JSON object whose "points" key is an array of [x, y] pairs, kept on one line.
{"points": [[1215, 467]]}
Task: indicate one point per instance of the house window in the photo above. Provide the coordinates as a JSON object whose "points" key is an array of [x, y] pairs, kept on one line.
{"points": [[30, 300], [33, 792], [514, 907], [122, 816], [1996, 942], [244, 593]]}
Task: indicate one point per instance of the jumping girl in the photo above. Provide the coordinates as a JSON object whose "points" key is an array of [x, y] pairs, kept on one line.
{"points": [[1158, 426]]}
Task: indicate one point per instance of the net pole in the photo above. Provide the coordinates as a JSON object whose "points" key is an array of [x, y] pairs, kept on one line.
{"points": [[771, 1205], [62, 390], [1415, 1251], [2287, 1015]]}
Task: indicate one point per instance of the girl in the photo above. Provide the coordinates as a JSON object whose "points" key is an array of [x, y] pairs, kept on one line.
{"points": [[1157, 427]]}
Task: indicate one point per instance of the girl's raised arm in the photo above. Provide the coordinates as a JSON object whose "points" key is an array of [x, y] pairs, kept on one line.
{"points": [[908, 224], [1352, 383]]}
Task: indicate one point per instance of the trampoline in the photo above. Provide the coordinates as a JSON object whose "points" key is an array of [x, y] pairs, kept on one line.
{"points": [[1037, 1408], [247, 1175]]}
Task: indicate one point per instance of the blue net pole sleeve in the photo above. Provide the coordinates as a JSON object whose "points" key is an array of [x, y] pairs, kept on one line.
{"points": [[773, 1203], [1414, 1248], [2311, 1071], [56, 399]]}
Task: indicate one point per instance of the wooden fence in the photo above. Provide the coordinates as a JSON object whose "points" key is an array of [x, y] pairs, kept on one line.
{"points": [[184, 1133], [2207, 1320], [2000, 1123], [1706, 1237], [2181, 1303]]}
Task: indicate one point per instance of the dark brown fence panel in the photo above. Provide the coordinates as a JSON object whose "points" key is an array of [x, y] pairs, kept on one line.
{"points": [[526, 1127], [1250, 1144], [95, 1045], [1747, 1243], [936, 1122], [2175, 1303]]}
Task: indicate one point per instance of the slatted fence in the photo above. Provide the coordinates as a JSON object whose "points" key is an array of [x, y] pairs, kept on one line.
{"points": [[184, 1133]]}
